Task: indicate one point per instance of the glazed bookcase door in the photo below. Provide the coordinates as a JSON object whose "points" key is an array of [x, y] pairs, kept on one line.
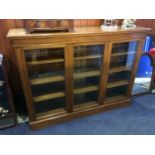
{"points": [[46, 71], [6, 119], [121, 65], [4, 97], [87, 70]]}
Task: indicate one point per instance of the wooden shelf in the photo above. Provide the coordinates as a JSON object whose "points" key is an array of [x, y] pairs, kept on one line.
{"points": [[41, 62], [47, 80], [88, 57], [85, 89], [48, 96], [86, 74], [119, 83], [85, 105], [122, 53], [115, 97], [119, 69], [50, 113]]}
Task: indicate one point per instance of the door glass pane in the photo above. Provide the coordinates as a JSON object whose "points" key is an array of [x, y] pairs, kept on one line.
{"points": [[6, 122], [116, 92], [46, 73], [45, 62], [142, 83], [121, 64], [4, 103], [4, 98], [87, 71]]}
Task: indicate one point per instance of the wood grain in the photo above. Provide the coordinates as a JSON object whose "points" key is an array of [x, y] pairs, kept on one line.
{"points": [[46, 80], [80, 37], [105, 71], [118, 83], [49, 96], [22, 67], [7, 50]]}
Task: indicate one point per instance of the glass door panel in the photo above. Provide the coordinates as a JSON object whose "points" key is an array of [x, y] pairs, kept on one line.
{"points": [[87, 71], [4, 101], [46, 72], [116, 92], [120, 70]]}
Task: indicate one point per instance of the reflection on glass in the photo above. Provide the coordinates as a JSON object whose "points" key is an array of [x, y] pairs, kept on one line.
{"points": [[46, 72], [123, 54], [142, 83], [118, 76], [6, 122], [51, 105], [4, 103], [119, 91], [45, 62], [122, 60], [87, 71]]}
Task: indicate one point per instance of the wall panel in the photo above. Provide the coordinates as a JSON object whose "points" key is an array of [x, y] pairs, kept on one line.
{"points": [[147, 23]]}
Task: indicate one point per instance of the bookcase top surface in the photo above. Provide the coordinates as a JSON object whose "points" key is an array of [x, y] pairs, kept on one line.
{"points": [[22, 33]]}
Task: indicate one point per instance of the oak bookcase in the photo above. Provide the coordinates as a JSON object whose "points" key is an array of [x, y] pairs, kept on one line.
{"points": [[73, 74]]}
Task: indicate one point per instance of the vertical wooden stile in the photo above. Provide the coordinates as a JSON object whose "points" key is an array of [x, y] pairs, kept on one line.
{"points": [[135, 66], [104, 72], [22, 67], [69, 77]]}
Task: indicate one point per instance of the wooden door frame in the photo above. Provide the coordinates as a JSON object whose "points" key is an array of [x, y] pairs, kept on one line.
{"points": [[22, 67], [23, 70], [71, 46]]}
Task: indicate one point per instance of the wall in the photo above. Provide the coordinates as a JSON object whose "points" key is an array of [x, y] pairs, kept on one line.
{"points": [[147, 23], [87, 22], [7, 50], [5, 47]]}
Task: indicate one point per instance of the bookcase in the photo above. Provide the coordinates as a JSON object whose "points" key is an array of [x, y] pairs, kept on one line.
{"points": [[73, 74]]}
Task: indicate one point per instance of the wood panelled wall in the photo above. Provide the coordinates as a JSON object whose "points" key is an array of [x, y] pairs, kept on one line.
{"points": [[87, 22], [147, 23], [5, 47]]}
